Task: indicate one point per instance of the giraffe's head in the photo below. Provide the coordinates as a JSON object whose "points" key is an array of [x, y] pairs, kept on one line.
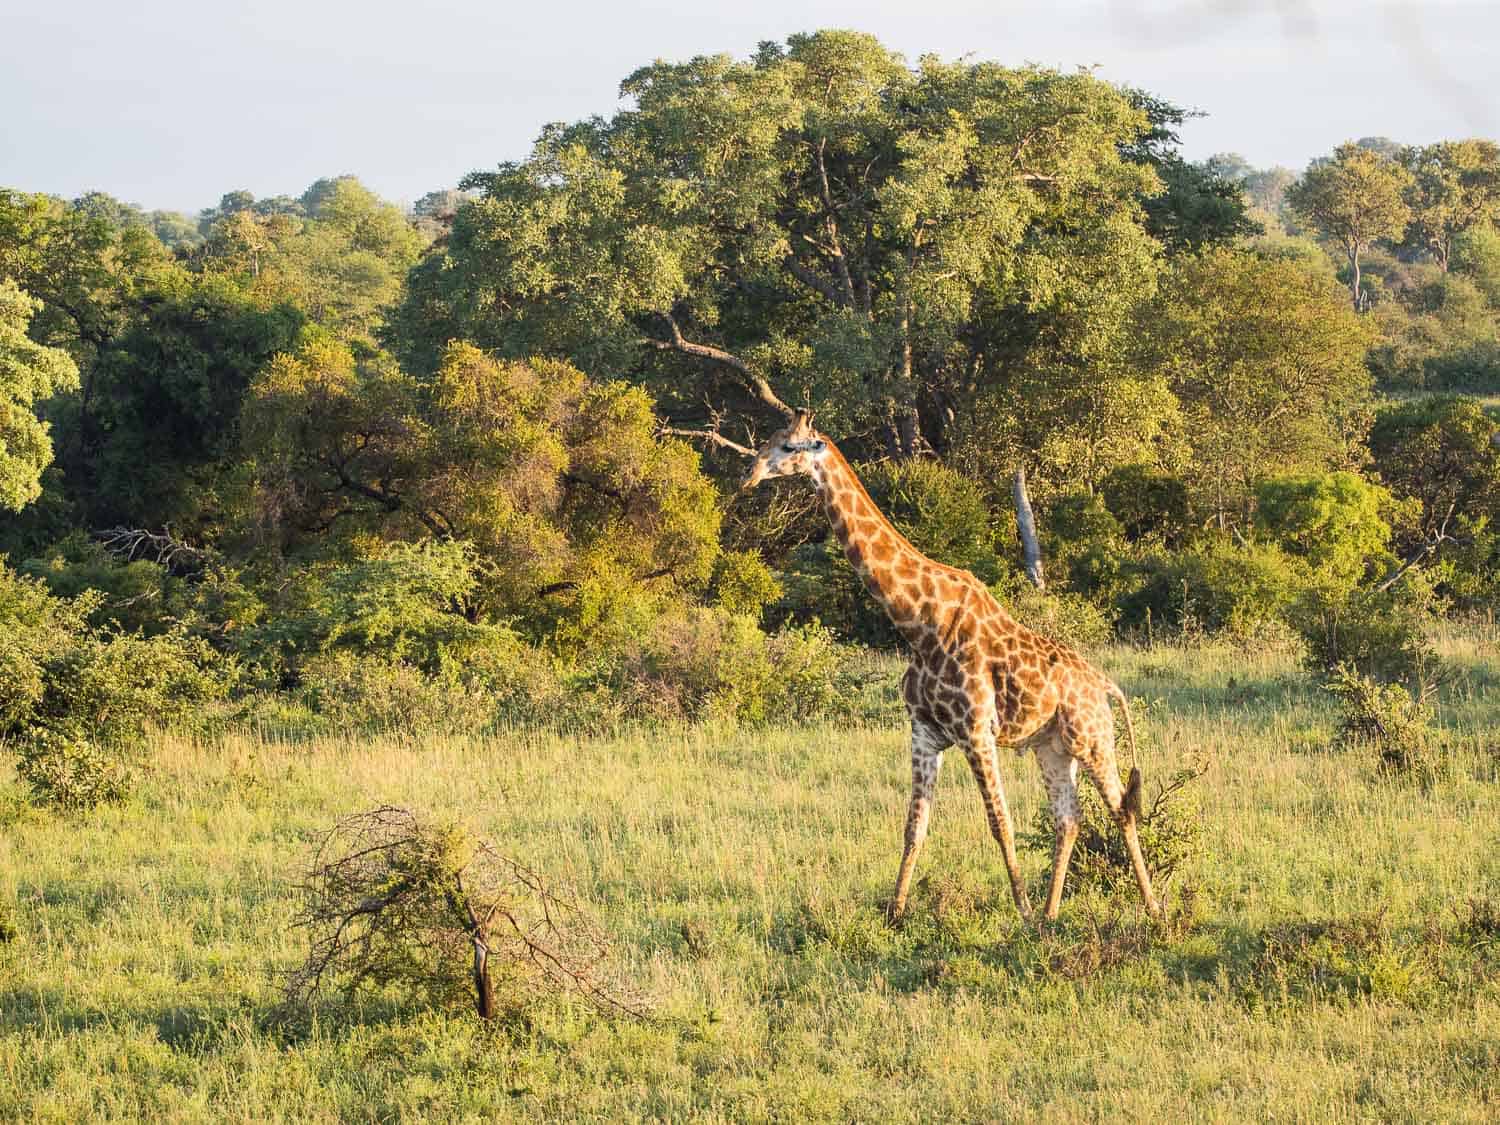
{"points": [[795, 448]]}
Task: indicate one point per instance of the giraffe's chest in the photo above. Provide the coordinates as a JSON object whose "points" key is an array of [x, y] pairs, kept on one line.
{"points": [[961, 694]]}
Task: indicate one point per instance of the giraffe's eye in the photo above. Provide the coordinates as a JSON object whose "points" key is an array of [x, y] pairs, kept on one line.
{"points": [[787, 449]]}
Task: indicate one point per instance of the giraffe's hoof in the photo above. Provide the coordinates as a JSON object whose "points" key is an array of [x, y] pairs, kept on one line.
{"points": [[895, 913]]}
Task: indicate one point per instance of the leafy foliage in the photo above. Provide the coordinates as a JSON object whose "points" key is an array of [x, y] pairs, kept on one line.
{"points": [[1389, 720], [29, 373], [78, 698], [1354, 198], [561, 485]]}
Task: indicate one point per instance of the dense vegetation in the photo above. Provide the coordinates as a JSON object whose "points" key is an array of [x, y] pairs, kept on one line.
{"points": [[311, 464]]}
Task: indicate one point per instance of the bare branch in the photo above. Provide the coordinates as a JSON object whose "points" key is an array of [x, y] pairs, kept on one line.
{"points": [[710, 436], [753, 379], [133, 543], [819, 284], [392, 900]]}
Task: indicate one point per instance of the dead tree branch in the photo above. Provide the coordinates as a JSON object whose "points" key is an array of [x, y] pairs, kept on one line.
{"points": [[131, 544], [390, 900], [753, 380], [1031, 548]]}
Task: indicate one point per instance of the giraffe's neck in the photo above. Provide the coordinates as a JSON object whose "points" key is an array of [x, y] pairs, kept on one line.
{"points": [[891, 568]]}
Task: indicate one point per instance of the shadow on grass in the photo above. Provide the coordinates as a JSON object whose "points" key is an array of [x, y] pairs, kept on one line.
{"points": [[202, 1028], [953, 942]]}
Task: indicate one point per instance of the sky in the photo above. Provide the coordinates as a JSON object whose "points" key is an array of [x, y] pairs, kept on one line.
{"points": [[172, 103]]}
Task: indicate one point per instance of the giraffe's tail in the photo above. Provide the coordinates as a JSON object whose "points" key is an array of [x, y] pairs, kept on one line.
{"points": [[1131, 802]]}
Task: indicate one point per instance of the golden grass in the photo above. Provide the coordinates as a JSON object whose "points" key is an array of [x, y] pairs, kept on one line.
{"points": [[742, 872]]}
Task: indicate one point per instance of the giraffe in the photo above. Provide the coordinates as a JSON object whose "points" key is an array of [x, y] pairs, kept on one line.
{"points": [[977, 678]]}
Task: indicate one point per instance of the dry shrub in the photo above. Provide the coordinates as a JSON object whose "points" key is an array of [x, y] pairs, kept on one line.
{"points": [[391, 901]]}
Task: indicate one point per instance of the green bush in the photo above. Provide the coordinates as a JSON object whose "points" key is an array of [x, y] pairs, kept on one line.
{"points": [[75, 699], [1382, 634], [1388, 719], [1148, 503], [1335, 523], [705, 663], [369, 693], [1084, 546], [1067, 617], [70, 773], [1216, 586], [400, 602], [807, 675], [131, 595]]}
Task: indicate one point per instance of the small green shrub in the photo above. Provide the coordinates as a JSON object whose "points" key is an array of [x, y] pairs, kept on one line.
{"points": [[704, 663], [1381, 633], [1067, 617], [1339, 958], [1170, 826], [1216, 586], [806, 674], [1389, 720], [75, 699], [1084, 546], [367, 693], [68, 772], [400, 601]]}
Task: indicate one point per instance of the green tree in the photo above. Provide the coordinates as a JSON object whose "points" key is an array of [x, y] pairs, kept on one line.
{"points": [[572, 501], [1354, 199], [1201, 205], [1335, 522], [1443, 452], [1266, 361], [168, 403], [29, 373], [822, 216], [339, 254], [1455, 186], [87, 268]]}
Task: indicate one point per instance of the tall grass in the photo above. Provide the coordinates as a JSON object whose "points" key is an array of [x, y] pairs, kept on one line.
{"points": [[1330, 973]]}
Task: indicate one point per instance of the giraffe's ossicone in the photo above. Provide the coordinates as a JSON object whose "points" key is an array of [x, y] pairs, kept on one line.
{"points": [[978, 679]]}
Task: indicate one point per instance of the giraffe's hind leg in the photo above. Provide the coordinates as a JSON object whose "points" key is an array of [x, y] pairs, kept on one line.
{"points": [[1092, 742], [1060, 772]]}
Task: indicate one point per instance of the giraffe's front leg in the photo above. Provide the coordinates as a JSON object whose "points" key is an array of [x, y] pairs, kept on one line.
{"points": [[982, 760], [927, 746]]}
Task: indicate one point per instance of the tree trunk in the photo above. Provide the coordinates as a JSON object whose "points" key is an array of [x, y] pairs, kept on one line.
{"points": [[1031, 550], [484, 992], [1354, 290]]}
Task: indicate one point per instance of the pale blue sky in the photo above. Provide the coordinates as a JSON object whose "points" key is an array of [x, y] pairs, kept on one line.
{"points": [[171, 103]]}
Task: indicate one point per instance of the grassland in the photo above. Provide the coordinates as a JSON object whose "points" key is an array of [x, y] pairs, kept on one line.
{"points": [[1336, 970]]}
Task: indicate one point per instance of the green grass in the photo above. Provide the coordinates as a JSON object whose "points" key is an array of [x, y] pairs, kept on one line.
{"points": [[742, 873]]}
